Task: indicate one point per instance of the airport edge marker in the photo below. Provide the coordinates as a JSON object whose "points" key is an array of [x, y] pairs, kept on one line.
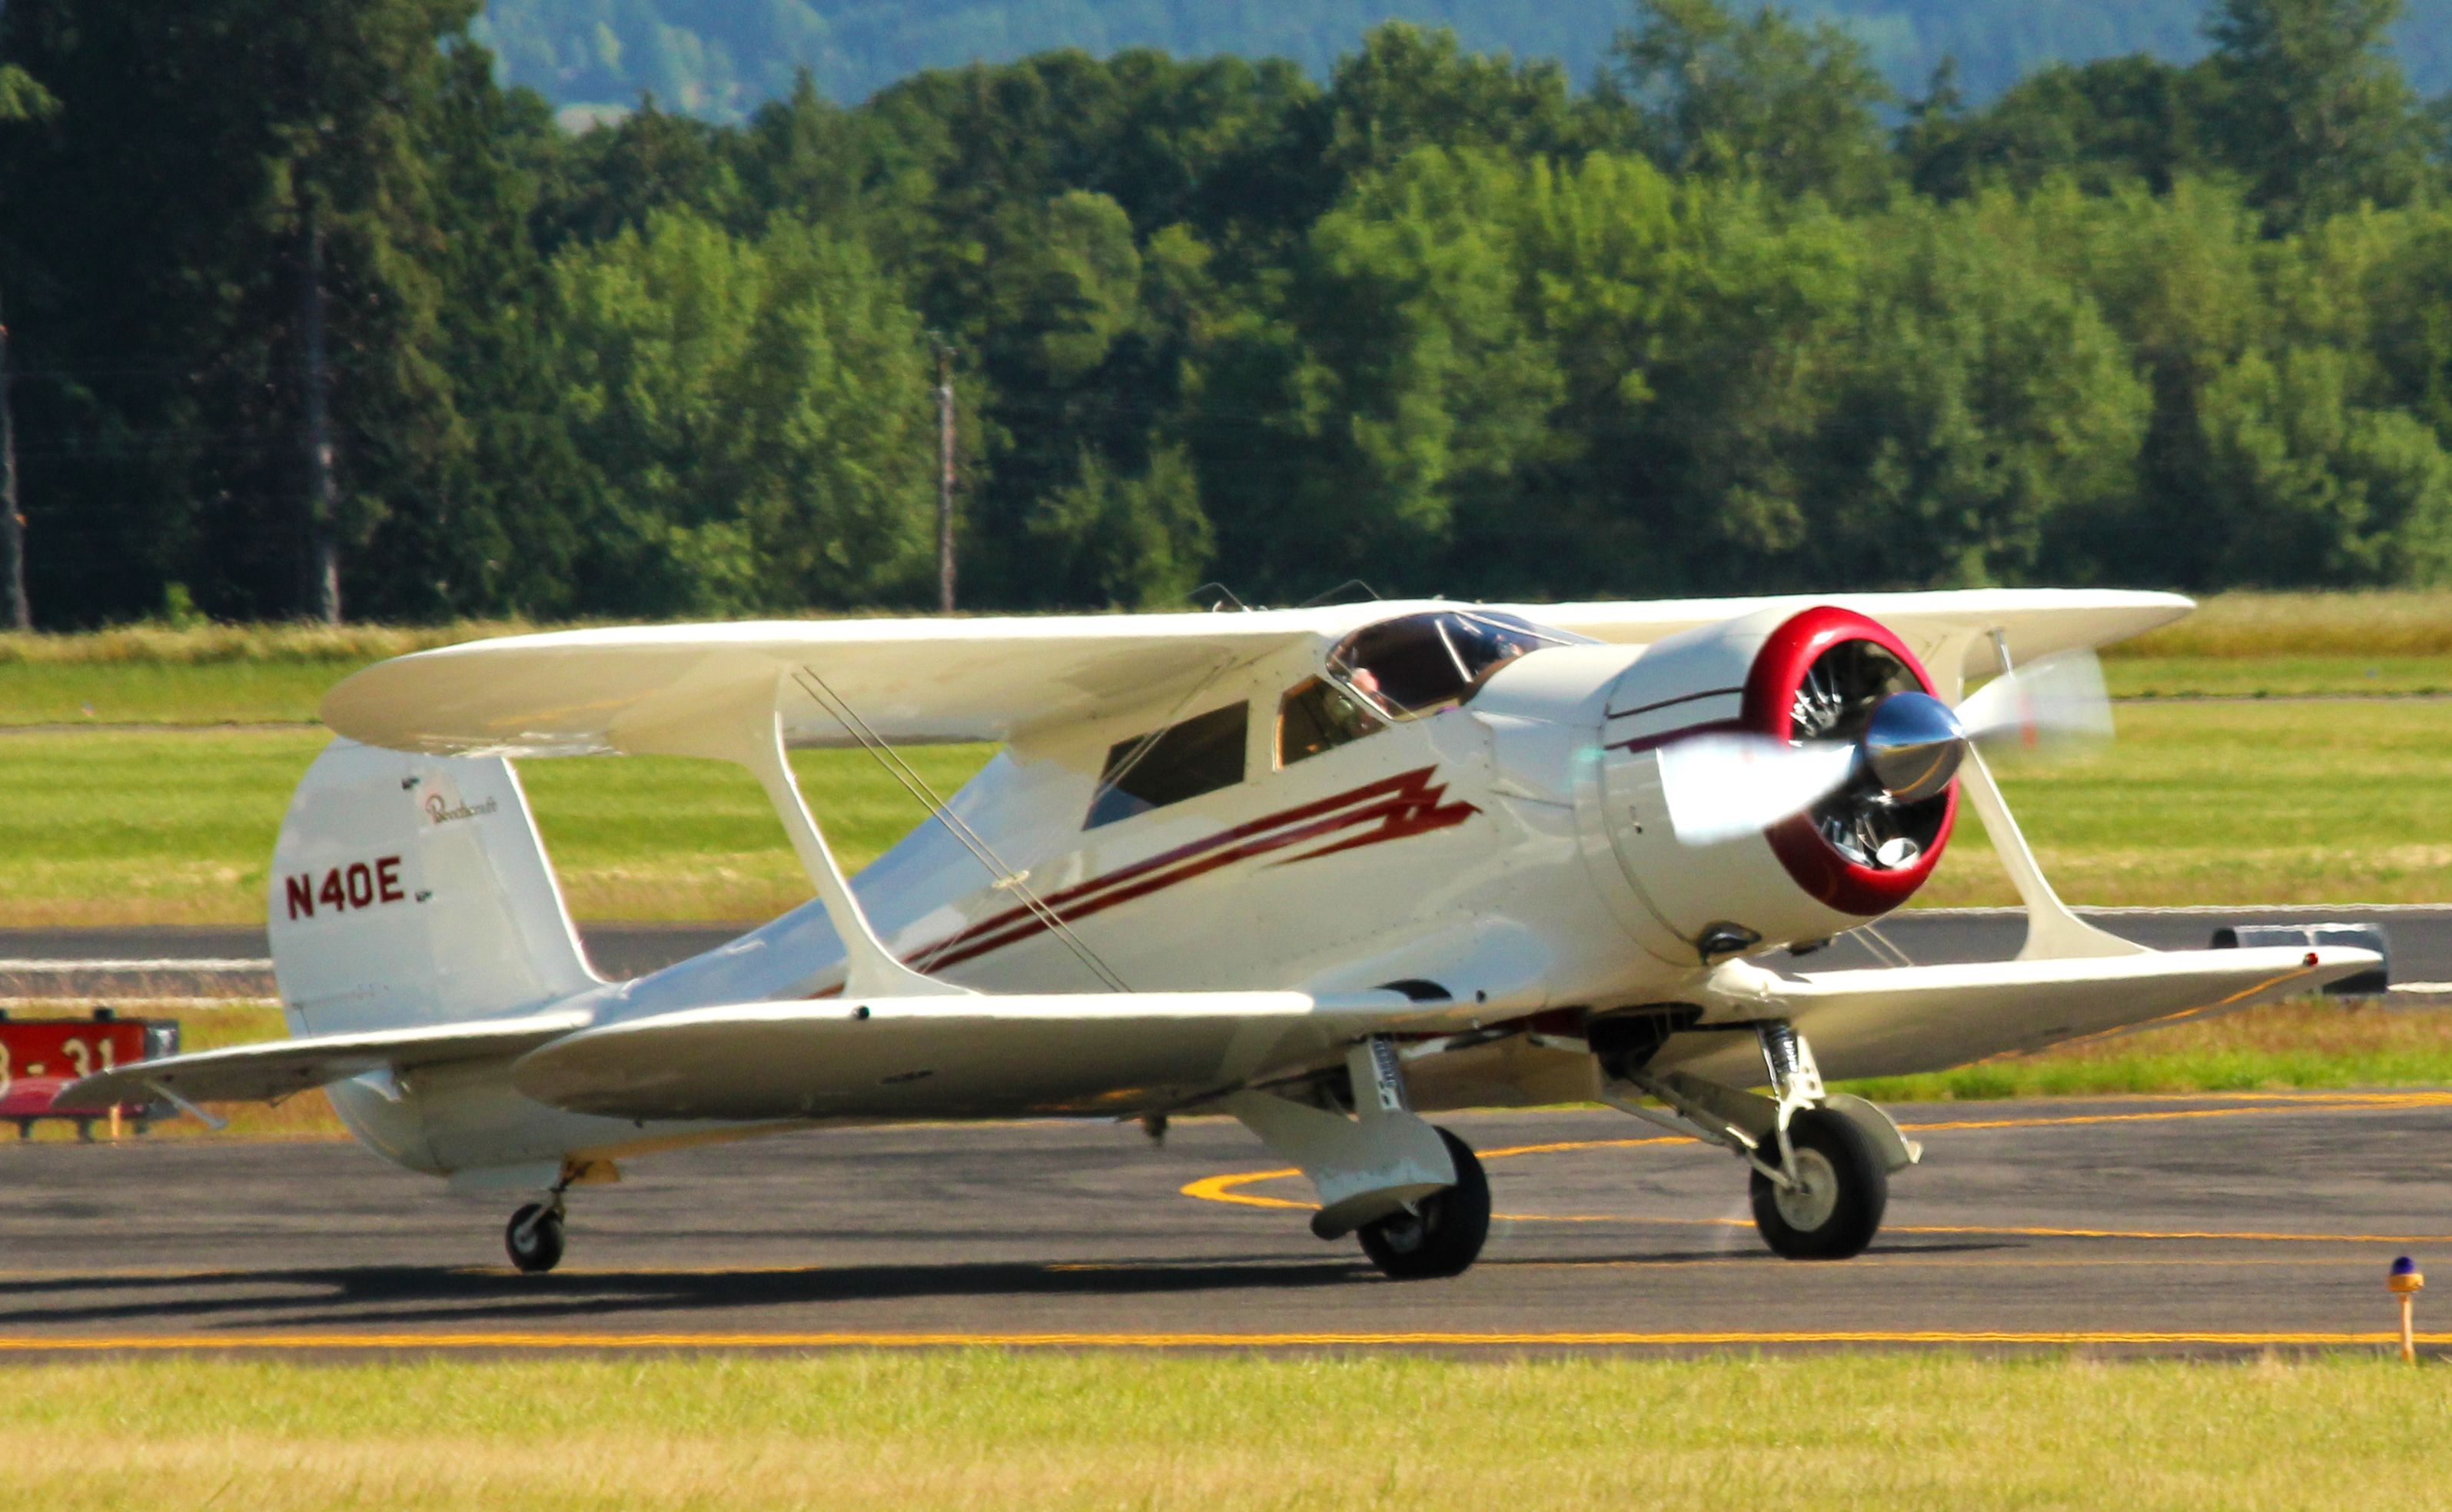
{"points": [[2405, 1282]]}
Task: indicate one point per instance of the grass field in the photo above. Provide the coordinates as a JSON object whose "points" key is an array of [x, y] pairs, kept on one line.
{"points": [[966, 1430], [2317, 1045], [177, 827]]}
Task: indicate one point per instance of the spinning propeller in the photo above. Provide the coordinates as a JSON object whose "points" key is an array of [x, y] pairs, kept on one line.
{"points": [[1872, 747]]}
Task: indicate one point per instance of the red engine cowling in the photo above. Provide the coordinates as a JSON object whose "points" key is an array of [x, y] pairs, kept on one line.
{"points": [[1814, 674]]}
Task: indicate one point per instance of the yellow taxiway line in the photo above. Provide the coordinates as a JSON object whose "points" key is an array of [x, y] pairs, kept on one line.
{"points": [[1227, 1186], [532, 1341]]}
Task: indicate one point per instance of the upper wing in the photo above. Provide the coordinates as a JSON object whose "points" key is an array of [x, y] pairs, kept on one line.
{"points": [[2035, 622], [651, 689], [648, 688], [970, 1057], [258, 1073], [1898, 1021]]}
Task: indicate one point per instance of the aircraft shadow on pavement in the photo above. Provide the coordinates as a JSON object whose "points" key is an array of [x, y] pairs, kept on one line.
{"points": [[379, 1296], [394, 1295]]}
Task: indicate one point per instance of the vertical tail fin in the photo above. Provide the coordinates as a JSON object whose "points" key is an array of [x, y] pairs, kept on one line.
{"points": [[414, 889]]}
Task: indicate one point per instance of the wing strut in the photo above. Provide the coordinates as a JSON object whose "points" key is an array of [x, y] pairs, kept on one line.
{"points": [[2053, 933], [747, 727]]}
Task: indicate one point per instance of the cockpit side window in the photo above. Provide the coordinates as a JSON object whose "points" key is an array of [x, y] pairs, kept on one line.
{"points": [[1423, 663], [1317, 715], [1200, 755]]}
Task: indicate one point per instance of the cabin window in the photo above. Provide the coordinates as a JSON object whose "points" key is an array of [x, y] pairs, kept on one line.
{"points": [[1199, 755], [1320, 715], [1424, 663]]}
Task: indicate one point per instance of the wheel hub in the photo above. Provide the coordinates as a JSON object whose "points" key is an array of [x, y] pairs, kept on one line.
{"points": [[1807, 1203]]}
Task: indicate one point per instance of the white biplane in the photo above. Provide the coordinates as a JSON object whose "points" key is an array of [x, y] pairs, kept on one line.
{"points": [[1322, 869]]}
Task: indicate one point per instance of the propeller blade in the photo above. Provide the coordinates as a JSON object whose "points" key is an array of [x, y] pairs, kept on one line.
{"points": [[1719, 786], [2054, 701]]}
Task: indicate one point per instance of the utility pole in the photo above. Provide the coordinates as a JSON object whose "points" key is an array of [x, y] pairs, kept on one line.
{"points": [[19, 614], [944, 478], [323, 533]]}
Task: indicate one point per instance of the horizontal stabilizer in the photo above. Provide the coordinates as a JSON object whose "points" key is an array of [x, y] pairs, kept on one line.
{"points": [[263, 1073], [978, 1056], [1900, 1020]]}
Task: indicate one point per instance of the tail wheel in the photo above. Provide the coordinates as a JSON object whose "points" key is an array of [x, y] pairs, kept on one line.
{"points": [[1444, 1235], [534, 1239], [1842, 1186]]}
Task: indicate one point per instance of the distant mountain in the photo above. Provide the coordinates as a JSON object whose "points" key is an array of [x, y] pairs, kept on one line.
{"points": [[720, 58]]}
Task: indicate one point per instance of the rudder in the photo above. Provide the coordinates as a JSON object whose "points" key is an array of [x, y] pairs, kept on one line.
{"points": [[411, 889]]}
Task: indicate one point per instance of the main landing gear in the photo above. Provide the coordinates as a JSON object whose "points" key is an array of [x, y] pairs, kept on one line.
{"points": [[1412, 1193], [534, 1235], [1820, 1160], [1443, 1233]]}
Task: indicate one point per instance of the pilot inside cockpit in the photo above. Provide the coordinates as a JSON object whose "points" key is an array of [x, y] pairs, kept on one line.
{"points": [[1423, 663]]}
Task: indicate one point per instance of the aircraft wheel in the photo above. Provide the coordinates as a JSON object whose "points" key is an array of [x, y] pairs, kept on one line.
{"points": [[535, 1247], [1842, 1188], [1445, 1236]]}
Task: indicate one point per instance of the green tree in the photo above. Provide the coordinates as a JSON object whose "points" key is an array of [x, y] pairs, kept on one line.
{"points": [[205, 142], [2311, 109], [1406, 89], [2102, 123], [1794, 106], [2321, 491], [752, 416], [1139, 541], [1976, 399]]}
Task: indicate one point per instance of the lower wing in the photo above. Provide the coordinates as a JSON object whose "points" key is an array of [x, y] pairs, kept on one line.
{"points": [[1898, 1021], [912, 1057]]}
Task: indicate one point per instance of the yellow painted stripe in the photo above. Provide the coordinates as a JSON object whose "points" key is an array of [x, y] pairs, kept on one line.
{"points": [[514, 1341], [1227, 1186]]}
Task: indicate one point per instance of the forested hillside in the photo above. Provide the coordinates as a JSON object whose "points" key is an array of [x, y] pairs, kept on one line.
{"points": [[721, 58], [1444, 323]]}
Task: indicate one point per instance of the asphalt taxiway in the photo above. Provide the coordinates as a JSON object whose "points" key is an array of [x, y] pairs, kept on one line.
{"points": [[2194, 1225]]}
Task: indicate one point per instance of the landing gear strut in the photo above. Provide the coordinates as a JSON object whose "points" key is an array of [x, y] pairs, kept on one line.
{"points": [[1444, 1232], [1820, 1160]]}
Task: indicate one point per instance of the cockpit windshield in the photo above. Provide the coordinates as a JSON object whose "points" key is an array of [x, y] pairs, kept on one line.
{"points": [[1423, 663]]}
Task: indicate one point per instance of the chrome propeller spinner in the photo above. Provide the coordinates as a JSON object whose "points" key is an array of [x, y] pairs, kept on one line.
{"points": [[1910, 747]]}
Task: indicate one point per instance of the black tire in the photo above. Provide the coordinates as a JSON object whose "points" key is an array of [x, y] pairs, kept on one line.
{"points": [[1847, 1187], [1445, 1237], [539, 1250]]}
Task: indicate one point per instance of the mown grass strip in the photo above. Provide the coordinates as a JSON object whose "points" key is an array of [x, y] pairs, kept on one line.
{"points": [[989, 1428], [143, 828]]}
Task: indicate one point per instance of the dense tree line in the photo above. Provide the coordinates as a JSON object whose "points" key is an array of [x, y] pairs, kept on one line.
{"points": [[1733, 317], [723, 58]]}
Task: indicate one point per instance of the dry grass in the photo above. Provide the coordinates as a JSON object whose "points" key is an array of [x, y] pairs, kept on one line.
{"points": [[968, 1430], [2317, 1044], [208, 644], [2398, 622]]}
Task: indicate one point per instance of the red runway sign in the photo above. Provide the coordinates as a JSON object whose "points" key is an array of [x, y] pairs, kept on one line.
{"points": [[40, 1057]]}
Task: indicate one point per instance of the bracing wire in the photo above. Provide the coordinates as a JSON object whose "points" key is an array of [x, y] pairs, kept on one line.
{"points": [[1004, 876]]}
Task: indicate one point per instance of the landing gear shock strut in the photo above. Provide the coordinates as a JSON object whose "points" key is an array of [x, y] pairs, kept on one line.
{"points": [[1820, 1161]]}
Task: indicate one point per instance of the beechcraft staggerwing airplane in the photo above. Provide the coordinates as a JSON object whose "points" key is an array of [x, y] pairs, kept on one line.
{"points": [[1320, 870]]}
